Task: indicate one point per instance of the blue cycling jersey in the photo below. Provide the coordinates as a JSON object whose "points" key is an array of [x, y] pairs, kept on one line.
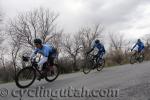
{"points": [[140, 46], [45, 50], [100, 47]]}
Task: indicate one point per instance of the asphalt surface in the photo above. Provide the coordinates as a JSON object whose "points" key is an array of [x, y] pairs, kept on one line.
{"points": [[127, 82]]}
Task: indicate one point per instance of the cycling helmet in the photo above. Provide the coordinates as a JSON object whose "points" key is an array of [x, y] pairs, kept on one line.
{"points": [[97, 41], [139, 40], [37, 41]]}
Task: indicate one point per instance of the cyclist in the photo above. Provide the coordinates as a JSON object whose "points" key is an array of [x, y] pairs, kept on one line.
{"points": [[139, 47], [100, 47], [49, 53]]}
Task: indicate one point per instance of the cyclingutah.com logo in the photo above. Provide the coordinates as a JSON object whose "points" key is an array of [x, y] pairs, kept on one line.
{"points": [[41, 92], [3, 92]]}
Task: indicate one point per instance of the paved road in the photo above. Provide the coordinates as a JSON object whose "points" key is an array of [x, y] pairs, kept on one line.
{"points": [[129, 82]]}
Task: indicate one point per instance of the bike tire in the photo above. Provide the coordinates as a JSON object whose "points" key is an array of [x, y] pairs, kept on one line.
{"points": [[47, 78], [24, 71], [132, 59], [141, 59], [87, 67], [101, 66]]}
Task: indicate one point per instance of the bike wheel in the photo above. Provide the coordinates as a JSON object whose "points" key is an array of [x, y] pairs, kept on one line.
{"points": [[141, 58], [52, 74], [87, 67], [132, 59], [25, 77], [101, 65]]}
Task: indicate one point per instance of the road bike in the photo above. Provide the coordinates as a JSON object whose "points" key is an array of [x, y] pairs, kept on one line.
{"points": [[137, 57], [93, 62], [27, 75]]}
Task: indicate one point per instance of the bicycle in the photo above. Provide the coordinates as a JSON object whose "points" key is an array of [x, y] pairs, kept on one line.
{"points": [[92, 62], [136, 57], [26, 76]]}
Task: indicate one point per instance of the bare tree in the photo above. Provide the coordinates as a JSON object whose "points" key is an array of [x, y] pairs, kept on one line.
{"points": [[1, 38], [30, 25], [2, 58], [88, 35], [55, 40], [117, 47], [16, 47], [75, 46], [147, 46], [39, 23], [147, 39], [117, 41], [0, 16], [72, 46]]}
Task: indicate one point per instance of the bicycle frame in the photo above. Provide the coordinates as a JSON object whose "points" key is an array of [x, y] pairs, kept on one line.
{"points": [[36, 68], [93, 58]]}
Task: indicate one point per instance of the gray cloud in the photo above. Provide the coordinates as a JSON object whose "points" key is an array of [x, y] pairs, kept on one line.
{"points": [[116, 15], [111, 12]]}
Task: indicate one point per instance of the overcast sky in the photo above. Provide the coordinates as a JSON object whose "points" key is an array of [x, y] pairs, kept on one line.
{"points": [[129, 17]]}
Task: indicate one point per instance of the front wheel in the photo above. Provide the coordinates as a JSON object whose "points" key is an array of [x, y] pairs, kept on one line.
{"points": [[52, 73], [25, 77], [87, 66], [101, 65]]}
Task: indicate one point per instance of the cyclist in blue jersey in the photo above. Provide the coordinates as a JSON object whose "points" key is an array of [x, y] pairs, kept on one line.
{"points": [[139, 47], [100, 47], [49, 53]]}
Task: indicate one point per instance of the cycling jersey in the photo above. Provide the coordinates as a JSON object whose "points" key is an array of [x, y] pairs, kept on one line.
{"points": [[46, 51], [140, 46], [100, 47]]}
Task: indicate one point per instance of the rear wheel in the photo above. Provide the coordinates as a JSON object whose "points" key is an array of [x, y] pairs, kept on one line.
{"points": [[25, 77], [101, 65], [52, 73], [141, 58], [133, 59]]}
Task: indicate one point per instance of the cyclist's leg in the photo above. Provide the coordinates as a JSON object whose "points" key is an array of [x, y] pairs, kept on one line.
{"points": [[135, 53], [141, 52], [50, 61], [51, 64], [102, 55], [99, 56], [138, 53], [43, 72], [46, 67]]}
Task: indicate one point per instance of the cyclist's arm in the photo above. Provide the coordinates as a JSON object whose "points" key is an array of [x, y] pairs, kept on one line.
{"points": [[42, 61], [33, 54], [90, 51], [45, 57], [134, 46]]}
